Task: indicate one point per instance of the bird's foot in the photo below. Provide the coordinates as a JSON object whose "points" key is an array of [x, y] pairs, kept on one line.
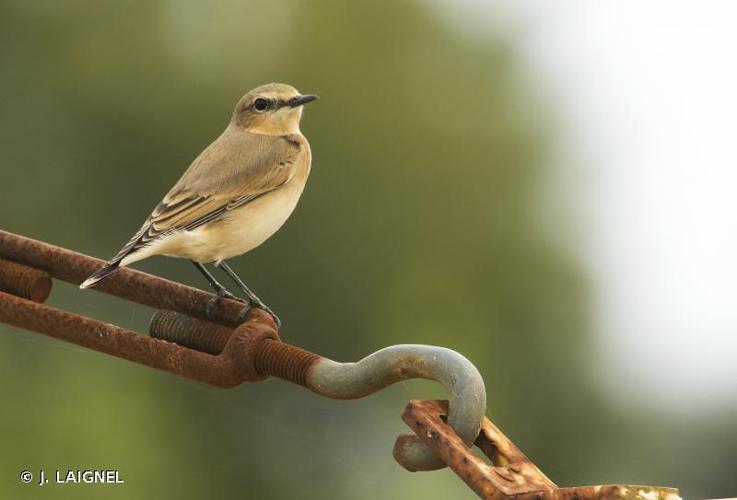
{"points": [[266, 308], [224, 294], [220, 294]]}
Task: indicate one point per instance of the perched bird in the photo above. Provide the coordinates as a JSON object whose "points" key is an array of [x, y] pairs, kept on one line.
{"points": [[236, 194]]}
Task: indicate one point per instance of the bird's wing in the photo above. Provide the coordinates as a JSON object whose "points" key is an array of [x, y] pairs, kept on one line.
{"points": [[229, 174]]}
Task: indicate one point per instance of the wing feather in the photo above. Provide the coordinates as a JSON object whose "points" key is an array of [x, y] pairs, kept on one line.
{"points": [[232, 172]]}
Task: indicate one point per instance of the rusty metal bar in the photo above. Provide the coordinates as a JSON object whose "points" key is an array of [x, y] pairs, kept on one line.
{"points": [[271, 357], [326, 377], [232, 367], [249, 356], [245, 358], [125, 283], [240, 345], [336, 380], [510, 475]]}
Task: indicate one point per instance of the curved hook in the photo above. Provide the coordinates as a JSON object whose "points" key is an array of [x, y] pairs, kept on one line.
{"points": [[467, 394]]}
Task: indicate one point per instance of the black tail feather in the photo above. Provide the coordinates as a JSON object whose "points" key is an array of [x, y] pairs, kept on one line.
{"points": [[100, 274]]}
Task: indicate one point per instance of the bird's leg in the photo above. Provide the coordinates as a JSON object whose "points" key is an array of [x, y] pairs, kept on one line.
{"points": [[220, 290], [252, 297]]}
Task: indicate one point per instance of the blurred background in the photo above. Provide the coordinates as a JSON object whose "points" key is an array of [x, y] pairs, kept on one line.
{"points": [[546, 189]]}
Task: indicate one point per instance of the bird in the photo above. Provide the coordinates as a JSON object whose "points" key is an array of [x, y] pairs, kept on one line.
{"points": [[234, 196]]}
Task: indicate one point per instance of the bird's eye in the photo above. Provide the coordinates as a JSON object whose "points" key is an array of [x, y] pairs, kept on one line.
{"points": [[260, 104]]}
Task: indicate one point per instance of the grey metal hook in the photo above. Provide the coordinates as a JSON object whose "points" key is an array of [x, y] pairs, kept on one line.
{"points": [[467, 394]]}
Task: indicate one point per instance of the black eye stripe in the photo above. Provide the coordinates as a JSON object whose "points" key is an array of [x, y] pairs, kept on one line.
{"points": [[263, 104]]}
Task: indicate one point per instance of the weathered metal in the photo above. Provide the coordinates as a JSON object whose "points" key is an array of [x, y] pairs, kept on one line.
{"points": [[285, 361], [510, 475], [189, 332], [354, 380], [233, 347], [232, 367], [125, 283], [323, 376], [271, 357], [24, 281], [426, 418], [459, 376]]}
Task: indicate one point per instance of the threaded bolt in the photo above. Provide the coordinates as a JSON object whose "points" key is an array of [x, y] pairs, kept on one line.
{"points": [[23, 281], [285, 361], [189, 332]]}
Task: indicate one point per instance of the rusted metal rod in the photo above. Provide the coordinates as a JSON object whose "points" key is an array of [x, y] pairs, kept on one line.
{"points": [[230, 349], [232, 367], [125, 283], [244, 357], [336, 380], [253, 352]]}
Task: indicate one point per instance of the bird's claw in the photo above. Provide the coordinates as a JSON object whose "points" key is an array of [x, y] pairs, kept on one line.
{"points": [[212, 303], [223, 294], [275, 318], [266, 308], [242, 315]]}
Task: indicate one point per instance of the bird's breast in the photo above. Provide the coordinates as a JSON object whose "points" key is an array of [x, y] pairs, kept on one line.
{"points": [[247, 227]]}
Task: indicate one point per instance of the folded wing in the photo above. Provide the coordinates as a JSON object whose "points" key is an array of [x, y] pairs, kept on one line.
{"points": [[228, 175]]}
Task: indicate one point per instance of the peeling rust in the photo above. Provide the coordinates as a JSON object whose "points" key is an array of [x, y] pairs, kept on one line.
{"points": [[510, 475]]}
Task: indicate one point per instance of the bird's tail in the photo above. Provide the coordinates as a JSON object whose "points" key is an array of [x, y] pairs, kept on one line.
{"points": [[113, 264], [101, 274]]}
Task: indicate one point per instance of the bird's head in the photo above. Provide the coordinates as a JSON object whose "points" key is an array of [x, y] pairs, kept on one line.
{"points": [[271, 109]]}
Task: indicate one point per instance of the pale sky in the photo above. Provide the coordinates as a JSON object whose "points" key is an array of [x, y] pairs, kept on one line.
{"points": [[646, 96]]}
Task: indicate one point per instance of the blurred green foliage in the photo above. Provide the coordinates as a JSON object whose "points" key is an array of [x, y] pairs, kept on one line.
{"points": [[421, 222]]}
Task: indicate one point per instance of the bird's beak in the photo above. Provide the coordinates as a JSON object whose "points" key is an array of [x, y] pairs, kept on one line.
{"points": [[300, 100]]}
